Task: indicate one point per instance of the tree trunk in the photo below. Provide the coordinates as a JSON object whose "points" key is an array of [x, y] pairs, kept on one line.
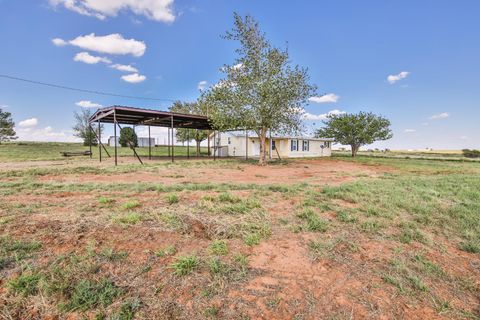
{"points": [[208, 143], [198, 147], [263, 136], [354, 150]]}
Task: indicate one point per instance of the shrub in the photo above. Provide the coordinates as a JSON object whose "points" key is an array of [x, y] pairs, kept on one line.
{"points": [[467, 153]]}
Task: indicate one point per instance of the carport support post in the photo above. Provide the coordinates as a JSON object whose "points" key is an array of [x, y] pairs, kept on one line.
{"points": [[168, 141], [171, 125], [188, 143], [149, 145], [90, 135], [99, 141], [115, 133]]}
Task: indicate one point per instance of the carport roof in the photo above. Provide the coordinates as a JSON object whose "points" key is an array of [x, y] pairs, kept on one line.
{"points": [[148, 117]]}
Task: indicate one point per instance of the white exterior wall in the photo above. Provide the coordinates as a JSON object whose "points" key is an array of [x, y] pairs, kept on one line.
{"points": [[236, 147]]}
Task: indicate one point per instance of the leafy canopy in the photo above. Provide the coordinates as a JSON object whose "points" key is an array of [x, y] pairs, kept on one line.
{"points": [[128, 137], [190, 108], [7, 131], [261, 90], [81, 127], [356, 130]]}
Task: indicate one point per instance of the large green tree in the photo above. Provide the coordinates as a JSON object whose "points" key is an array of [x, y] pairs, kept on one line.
{"points": [[184, 134], [128, 138], [356, 130], [261, 90], [81, 127], [7, 126]]}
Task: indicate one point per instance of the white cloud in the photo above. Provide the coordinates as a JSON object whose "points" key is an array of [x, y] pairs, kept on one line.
{"points": [[59, 42], [442, 115], [86, 57], [46, 134], [202, 85], [158, 10], [125, 68], [310, 116], [425, 124], [326, 98], [88, 104], [134, 78], [397, 77], [27, 123], [113, 43], [410, 130], [4, 106]]}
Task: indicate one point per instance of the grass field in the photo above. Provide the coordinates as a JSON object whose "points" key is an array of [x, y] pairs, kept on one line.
{"points": [[29, 151], [331, 238]]}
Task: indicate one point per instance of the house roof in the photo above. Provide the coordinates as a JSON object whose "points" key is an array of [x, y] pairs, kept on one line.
{"points": [[148, 117], [241, 134]]}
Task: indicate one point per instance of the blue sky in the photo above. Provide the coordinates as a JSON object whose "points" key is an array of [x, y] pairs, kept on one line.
{"points": [[166, 48]]}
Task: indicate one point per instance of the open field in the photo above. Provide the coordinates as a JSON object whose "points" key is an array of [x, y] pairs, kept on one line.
{"points": [[331, 238], [28, 151], [452, 155]]}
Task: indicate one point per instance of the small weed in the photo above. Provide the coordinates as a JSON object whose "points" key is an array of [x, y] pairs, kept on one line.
{"points": [[470, 246], [167, 251], [228, 197], [171, 220], [172, 198], [128, 218], [345, 216], [131, 204], [211, 311], [417, 283], [216, 266], [25, 284], [110, 255], [218, 247], [370, 226], [312, 221], [252, 239], [185, 265], [272, 303], [105, 200], [127, 310], [88, 294]]}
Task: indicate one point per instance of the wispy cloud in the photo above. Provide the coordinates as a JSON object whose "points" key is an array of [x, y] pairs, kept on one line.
{"points": [[123, 67], [158, 10], [86, 57], [442, 115], [27, 123], [134, 78], [410, 130], [397, 77], [114, 44], [202, 85], [88, 104], [323, 116], [326, 98]]}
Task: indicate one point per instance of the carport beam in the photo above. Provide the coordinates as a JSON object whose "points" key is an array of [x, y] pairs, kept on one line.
{"points": [[115, 134], [171, 125]]}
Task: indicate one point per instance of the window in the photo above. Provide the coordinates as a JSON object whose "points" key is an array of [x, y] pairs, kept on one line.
{"points": [[326, 144], [229, 140], [293, 145], [306, 145], [273, 144]]}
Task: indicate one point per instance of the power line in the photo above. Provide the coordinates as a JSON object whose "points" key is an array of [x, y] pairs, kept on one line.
{"points": [[81, 90]]}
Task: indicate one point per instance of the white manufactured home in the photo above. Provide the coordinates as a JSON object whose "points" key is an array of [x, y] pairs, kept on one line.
{"points": [[239, 144]]}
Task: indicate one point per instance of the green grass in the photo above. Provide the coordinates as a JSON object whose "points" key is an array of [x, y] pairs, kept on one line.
{"points": [[131, 204], [312, 221], [88, 294], [172, 198], [167, 251], [185, 265], [24, 151], [130, 218], [218, 247], [25, 284], [13, 252]]}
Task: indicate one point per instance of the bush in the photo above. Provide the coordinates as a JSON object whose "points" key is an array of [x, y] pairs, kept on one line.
{"points": [[128, 137], [467, 153]]}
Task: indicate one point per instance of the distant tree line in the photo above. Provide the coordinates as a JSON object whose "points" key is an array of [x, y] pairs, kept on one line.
{"points": [[471, 153]]}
